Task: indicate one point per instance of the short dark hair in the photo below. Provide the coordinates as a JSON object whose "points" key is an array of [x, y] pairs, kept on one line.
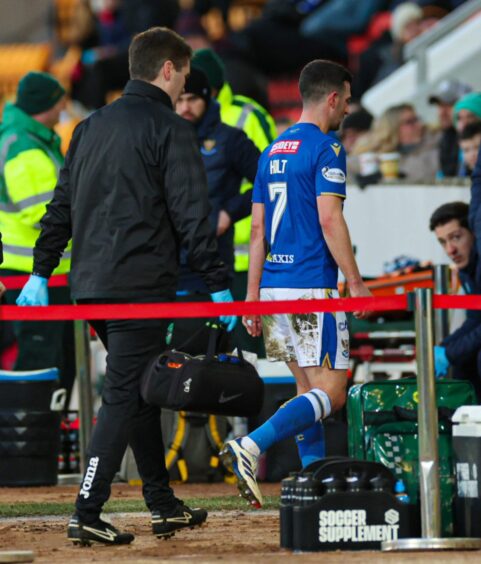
{"points": [[449, 212], [470, 130], [318, 78], [360, 120], [150, 49]]}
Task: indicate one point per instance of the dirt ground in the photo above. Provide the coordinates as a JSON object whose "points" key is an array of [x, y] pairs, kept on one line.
{"points": [[229, 536]]}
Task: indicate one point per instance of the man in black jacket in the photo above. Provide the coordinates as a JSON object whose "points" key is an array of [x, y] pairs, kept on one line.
{"points": [[229, 156], [462, 348], [132, 190]]}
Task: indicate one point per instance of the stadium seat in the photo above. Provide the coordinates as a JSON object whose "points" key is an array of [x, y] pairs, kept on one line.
{"points": [[357, 44], [16, 60]]}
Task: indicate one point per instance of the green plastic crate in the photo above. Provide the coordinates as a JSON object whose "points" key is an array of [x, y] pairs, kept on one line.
{"points": [[382, 419]]}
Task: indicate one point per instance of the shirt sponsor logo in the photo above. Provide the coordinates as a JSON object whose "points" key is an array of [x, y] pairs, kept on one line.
{"points": [[287, 147], [349, 525], [280, 259], [334, 175]]}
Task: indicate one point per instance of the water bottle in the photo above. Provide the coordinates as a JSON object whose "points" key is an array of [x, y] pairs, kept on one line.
{"points": [[287, 499], [400, 492], [355, 482], [306, 490], [380, 483], [332, 485]]}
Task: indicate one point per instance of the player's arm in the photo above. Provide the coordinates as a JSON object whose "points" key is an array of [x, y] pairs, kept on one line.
{"points": [[257, 255], [336, 234]]}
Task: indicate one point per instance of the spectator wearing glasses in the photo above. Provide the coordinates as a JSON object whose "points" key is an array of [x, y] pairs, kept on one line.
{"points": [[400, 130]]}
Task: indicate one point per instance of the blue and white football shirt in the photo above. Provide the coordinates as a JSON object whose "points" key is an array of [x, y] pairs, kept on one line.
{"points": [[300, 165]]}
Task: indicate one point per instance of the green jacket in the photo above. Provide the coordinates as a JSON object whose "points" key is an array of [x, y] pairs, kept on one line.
{"points": [[246, 114], [30, 161]]}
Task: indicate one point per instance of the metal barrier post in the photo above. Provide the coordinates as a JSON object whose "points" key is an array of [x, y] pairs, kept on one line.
{"points": [[430, 494], [427, 418], [441, 316], [82, 360]]}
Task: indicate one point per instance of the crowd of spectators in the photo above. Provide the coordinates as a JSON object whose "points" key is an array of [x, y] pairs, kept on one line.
{"points": [[368, 36], [415, 151]]}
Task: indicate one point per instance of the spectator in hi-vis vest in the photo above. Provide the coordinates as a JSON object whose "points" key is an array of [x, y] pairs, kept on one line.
{"points": [[30, 160]]}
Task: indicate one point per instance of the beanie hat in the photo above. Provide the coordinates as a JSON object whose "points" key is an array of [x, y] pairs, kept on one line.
{"points": [[37, 92], [198, 84], [470, 102], [208, 61], [403, 15]]}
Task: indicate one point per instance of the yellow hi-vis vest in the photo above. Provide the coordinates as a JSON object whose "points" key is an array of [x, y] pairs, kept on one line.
{"points": [[30, 161], [246, 114]]}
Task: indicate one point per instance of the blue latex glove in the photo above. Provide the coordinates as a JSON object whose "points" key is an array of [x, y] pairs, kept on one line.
{"points": [[34, 293], [441, 362], [225, 296]]}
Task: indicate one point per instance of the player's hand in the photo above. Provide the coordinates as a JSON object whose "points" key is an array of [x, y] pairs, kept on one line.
{"points": [[2, 289], [223, 222], [360, 291], [252, 323]]}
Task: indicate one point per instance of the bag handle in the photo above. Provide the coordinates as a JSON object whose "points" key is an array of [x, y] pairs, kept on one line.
{"points": [[194, 336], [215, 330]]}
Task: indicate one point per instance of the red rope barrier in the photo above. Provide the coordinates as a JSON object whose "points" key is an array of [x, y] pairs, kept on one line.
{"points": [[18, 282], [472, 301], [198, 309]]}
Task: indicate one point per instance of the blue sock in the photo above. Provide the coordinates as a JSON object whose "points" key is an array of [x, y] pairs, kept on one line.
{"points": [[310, 444], [294, 416]]}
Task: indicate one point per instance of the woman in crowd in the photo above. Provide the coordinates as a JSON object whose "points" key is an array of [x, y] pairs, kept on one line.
{"points": [[399, 134]]}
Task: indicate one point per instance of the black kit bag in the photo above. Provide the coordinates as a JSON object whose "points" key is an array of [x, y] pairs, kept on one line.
{"points": [[221, 384]]}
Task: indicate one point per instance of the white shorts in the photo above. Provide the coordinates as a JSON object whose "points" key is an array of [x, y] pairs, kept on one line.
{"points": [[311, 339]]}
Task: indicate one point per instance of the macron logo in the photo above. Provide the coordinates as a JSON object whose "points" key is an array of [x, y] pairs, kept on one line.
{"points": [[286, 147]]}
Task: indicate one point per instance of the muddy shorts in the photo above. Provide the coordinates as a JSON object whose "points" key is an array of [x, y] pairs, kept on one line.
{"points": [[311, 339]]}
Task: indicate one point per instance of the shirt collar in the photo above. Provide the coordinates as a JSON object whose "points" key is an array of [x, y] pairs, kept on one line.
{"points": [[148, 90]]}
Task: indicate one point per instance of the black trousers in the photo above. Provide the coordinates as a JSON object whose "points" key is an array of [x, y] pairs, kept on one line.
{"points": [[124, 418]]}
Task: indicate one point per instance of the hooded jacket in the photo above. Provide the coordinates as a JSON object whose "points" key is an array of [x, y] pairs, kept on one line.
{"points": [[465, 343], [228, 156]]}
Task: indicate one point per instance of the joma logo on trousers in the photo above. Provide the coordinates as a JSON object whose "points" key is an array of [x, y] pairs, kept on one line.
{"points": [[89, 477]]}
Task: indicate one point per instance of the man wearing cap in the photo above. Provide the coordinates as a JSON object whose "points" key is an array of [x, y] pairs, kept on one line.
{"points": [[229, 156], [447, 93], [246, 114], [30, 160]]}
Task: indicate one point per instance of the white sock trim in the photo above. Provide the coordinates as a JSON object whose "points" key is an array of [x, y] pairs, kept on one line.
{"points": [[250, 446], [320, 403]]}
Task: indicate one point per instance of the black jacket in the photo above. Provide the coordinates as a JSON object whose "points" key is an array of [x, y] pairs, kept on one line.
{"points": [[133, 189], [465, 343], [228, 156]]}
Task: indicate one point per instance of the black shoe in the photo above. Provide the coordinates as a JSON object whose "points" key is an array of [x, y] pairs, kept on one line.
{"points": [[99, 531], [165, 525]]}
